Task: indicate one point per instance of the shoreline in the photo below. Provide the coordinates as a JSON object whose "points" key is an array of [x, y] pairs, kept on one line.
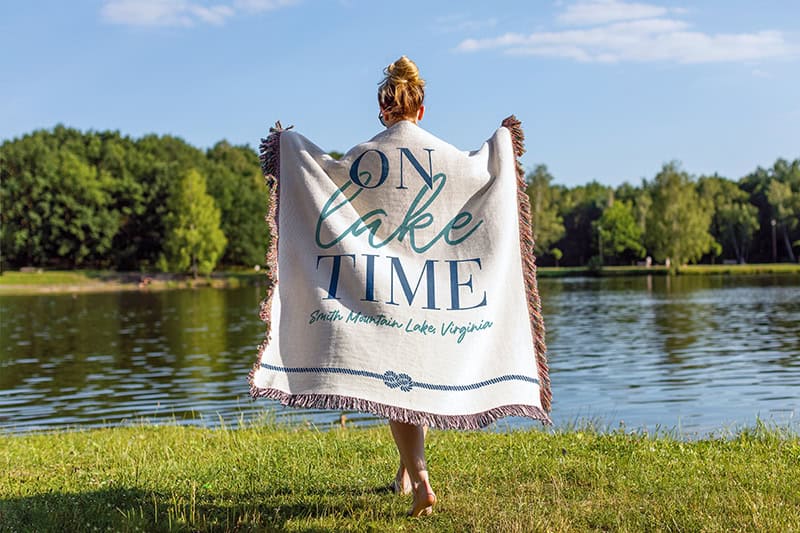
{"points": [[87, 281], [40, 281], [660, 270]]}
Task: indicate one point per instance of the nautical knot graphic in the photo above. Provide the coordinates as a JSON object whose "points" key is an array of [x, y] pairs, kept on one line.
{"points": [[392, 380]]}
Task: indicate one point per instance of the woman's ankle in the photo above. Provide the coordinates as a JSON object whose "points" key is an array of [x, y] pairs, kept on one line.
{"points": [[402, 482]]}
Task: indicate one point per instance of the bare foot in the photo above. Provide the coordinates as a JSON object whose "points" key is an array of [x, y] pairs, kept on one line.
{"points": [[401, 483], [424, 500]]}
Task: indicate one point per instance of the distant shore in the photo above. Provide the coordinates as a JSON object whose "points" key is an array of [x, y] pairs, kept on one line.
{"points": [[36, 281], [660, 270], [66, 281]]}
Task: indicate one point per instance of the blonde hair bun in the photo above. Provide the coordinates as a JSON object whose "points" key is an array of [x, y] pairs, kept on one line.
{"points": [[402, 91], [404, 71]]}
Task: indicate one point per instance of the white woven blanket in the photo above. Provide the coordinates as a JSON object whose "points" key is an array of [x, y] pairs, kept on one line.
{"points": [[403, 280]]}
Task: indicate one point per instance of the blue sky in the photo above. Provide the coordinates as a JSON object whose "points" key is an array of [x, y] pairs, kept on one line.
{"points": [[607, 90]]}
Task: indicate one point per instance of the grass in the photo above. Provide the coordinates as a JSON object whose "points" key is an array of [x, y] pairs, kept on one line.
{"points": [[16, 282], [563, 272], [766, 268], [49, 277], [268, 478]]}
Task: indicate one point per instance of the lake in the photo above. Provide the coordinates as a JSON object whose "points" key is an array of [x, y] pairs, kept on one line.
{"points": [[694, 355]]}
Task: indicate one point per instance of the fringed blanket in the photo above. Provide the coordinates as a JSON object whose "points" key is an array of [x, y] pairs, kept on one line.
{"points": [[403, 280]]}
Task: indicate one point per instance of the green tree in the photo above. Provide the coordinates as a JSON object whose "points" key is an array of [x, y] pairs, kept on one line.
{"points": [[237, 185], [82, 226], [118, 156], [679, 219], [160, 164], [194, 240], [57, 208], [557, 254], [620, 236], [757, 184], [735, 219], [547, 225], [789, 214], [639, 199], [580, 207], [28, 168], [786, 211]]}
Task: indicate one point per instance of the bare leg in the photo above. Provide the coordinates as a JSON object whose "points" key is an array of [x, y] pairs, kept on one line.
{"points": [[402, 482], [410, 441]]}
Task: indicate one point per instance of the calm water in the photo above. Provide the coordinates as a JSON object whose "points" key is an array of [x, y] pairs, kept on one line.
{"points": [[697, 355]]}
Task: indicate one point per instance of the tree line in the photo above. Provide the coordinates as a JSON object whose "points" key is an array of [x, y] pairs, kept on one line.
{"points": [[673, 216], [100, 199], [72, 199]]}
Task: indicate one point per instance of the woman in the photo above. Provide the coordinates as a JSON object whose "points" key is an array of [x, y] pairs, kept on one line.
{"points": [[403, 281], [400, 97]]}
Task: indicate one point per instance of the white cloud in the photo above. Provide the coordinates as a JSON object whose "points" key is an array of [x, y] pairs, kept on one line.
{"points": [[180, 12], [639, 33], [263, 5], [590, 12], [211, 15]]}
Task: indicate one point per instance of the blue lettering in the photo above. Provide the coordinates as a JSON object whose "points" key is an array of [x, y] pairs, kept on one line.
{"points": [[430, 281], [427, 177], [369, 295], [337, 263], [455, 299], [355, 175], [416, 218]]}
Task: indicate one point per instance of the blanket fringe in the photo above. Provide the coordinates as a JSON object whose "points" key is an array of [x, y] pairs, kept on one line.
{"points": [[407, 416], [526, 242], [270, 157]]}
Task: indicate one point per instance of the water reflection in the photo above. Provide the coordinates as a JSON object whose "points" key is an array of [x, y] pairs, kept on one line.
{"points": [[695, 354], [692, 353]]}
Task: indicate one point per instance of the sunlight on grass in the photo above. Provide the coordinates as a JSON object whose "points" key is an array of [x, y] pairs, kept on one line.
{"points": [[269, 477]]}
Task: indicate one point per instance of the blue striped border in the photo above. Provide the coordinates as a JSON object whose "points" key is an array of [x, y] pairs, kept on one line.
{"points": [[402, 381]]}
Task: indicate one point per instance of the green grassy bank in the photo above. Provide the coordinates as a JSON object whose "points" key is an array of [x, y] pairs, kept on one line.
{"points": [[267, 478], [707, 270], [54, 281], [767, 268]]}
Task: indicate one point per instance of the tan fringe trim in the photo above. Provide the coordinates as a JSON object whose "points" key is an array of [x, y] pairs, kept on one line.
{"points": [[407, 416], [270, 156], [529, 263]]}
